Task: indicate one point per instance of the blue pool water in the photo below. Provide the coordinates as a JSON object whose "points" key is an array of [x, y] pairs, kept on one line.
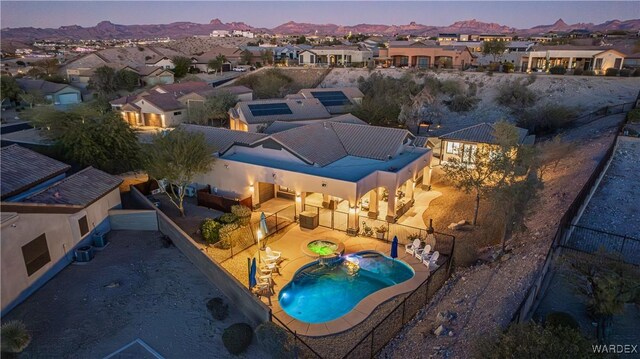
{"points": [[319, 293]]}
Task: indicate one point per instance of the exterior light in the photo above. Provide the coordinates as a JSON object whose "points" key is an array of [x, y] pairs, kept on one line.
{"points": [[353, 209], [298, 198], [251, 188]]}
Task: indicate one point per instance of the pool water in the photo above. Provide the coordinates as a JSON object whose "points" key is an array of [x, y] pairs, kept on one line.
{"points": [[322, 248], [320, 293]]}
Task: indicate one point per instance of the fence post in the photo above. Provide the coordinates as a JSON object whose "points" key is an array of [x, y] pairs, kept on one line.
{"points": [[624, 239], [371, 352]]}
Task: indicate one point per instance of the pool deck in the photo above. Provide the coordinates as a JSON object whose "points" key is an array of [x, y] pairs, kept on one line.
{"points": [[294, 259]]}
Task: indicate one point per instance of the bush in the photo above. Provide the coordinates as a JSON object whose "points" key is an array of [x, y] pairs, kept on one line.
{"points": [[225, 235], [218, 309], [561, 319], [272, 83], [451, 87], [589, 73], [461, 103], [633, 116], [546, 119], [612, 72], [14, 336], [578, 71], [274, 340], [516, 95], [625, 73], [237, 338], [228, 218], [243, 213], [210, 230], [558, 70], [508, 67]]}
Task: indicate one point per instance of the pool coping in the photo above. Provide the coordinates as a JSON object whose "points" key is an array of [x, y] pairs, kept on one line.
{"points": [[363, 309], [304, 249]]}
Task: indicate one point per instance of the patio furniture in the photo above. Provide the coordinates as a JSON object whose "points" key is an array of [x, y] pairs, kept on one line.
{"points": [[262, 290], [423, 251], [271, 265], [413, 247], [308, 219], [431, 261], [272, 255]]}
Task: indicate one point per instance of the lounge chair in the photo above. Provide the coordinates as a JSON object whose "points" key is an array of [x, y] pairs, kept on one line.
{"points": [[273, 255], [413, 247], [270, 265], [432, 260], [423, 252]]}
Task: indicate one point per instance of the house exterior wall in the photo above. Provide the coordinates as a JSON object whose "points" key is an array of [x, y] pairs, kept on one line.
{"points": [[67, 90], [63, 236], [169, 118], [458, 58], [319, 56], [165, 64], [163, 79]]}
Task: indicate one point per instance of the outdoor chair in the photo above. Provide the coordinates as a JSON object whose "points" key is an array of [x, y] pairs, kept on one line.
{"points": [[413, 247], [423, 252], [271, 265], [263, 290], [431, 261], [273, 255]]}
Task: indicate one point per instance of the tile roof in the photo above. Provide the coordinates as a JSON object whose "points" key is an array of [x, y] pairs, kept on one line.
{"points": [[279, 126], [229, 52], [45, 87], [182, 87], [80, 189], [22, 168], [420, 141], [221, 138], [480, 133], [374, 142], [163, 101], [317, 143], [302, 109]]}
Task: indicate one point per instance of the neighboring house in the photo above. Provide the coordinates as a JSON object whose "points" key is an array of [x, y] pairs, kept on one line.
{"points": [[48, 220], [335, 100], [279, 126], [492, 37], [339, 55], [572, 57], [632, 61], [255, 116], [462, 144], [164, 62], [220, 33], [55, 93], [418, 54], [233, 56], [153, 75], [167, 105], [447, 38], [339, 161]]}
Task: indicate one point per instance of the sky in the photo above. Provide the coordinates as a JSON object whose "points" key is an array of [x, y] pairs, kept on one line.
{"points": [[518, 14]]}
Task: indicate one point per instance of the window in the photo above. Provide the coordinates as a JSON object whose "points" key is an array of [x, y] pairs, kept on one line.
{"points": [[36, 254], [84, 226], [177, 113], [598, 64], [285, 189], [302, 59], [453, 148], [469, 153]]}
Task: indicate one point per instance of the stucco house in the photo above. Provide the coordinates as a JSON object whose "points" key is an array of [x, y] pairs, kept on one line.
{"points": [[46, 217], [55, 93], [340, 163], [462, 144], [232, 54], [336, 100], [571, 57], [339, 55], [418, 54], [255, 116]]}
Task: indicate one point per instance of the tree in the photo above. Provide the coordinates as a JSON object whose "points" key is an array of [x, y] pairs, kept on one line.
{"points": [[9, 88], [85, 136], [266, 56], [214, 108], [181, 65], [104, 81], [494, 48], [246, 57], [177, 157], [550, 153], [489, 168], [301, 40], [127, 80], [33, 97], [217, 63], [47, 67]]}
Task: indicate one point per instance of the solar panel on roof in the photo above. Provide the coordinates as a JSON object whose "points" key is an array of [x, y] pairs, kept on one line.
{"points": [[269, 109], [331, 98]]}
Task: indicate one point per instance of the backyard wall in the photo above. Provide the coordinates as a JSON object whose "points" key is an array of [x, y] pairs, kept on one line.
{"points": [[136, 220], [255, 311]]}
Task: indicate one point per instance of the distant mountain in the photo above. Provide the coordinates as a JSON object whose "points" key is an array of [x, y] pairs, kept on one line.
{"points": [[108, 30]]}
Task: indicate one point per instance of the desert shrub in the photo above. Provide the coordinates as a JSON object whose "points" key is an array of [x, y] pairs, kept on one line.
{"points": [[561, 319], [612, 72], [461, 103], [472, 90], [625, 73], [546, 119], [451, 87], [558, 70], [228, 218], [515, 95], [531, 340], [274, 340], [531, 78], [14, 337], [508, 67], [272, 83], [218, 308], [432, 84], [578, 71], [633, 116], [243, 213], [237, 338], [210, 230], [589, 73], [225, 235], [489, 73], [493, 67]]}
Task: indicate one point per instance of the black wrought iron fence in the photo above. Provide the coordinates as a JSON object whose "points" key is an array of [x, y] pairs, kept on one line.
{"points": [[591, 240]]}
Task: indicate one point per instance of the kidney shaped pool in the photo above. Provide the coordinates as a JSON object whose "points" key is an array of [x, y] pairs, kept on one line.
{"points": [[321, 292]]}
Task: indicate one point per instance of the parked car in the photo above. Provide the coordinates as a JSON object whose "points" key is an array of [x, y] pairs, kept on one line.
{"points": [[239, 69]]}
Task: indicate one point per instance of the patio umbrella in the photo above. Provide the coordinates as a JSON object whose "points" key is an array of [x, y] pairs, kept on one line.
{"points": [[252, 274], [263, 226], [394, 247]]}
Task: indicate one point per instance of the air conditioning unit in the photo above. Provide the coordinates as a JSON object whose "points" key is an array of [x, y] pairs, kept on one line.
{"points": [[100, 240], [84, 254]]}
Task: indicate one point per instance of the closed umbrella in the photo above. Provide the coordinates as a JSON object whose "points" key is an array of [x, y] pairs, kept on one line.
{"points": [[264, 230], [394, 247], [252, 274]]}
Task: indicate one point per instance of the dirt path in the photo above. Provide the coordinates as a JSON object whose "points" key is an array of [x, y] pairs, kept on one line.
{"points": [[484, 297]]}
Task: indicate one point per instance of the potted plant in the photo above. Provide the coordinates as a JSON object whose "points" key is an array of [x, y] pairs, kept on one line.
{"points": [[380, 231], [366, 230]]}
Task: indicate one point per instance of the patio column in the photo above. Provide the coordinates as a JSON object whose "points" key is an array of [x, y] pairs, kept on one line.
{"points": [[426, 177], [391, 204], [300, 200], [408, 192], [529, 64], [373, 203], [255, 195], [325, 200], [352, 224], [570, 63]]}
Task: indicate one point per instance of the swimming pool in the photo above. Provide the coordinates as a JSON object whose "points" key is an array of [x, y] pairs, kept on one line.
{"points": [[320, 293]]}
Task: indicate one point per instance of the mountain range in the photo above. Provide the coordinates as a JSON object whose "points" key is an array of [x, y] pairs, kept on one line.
{"points": [[107, 30]]}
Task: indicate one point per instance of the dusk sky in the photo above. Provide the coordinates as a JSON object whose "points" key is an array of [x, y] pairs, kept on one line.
{"points": [[270, 14]]}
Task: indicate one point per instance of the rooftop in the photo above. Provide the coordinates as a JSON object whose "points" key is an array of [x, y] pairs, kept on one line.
{"points": [[45, 87], [221, 138], [481, 133], [300, 109], [23, 168]]}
